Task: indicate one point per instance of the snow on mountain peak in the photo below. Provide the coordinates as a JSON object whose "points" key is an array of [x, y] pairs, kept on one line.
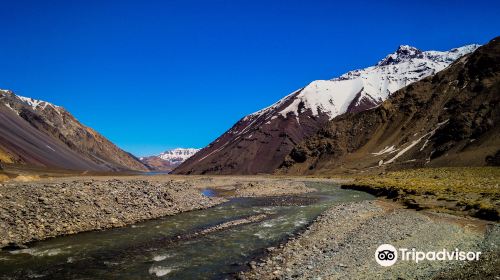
{"points": [[407, 53], [178, 155], [33, 103], [404, 52], [168, 160], [397, 70]]}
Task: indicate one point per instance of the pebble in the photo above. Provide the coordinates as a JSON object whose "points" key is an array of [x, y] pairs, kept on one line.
{"points": [[85, 205]]}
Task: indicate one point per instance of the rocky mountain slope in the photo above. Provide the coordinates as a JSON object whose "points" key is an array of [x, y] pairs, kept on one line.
{"points": [[449, 119], [35, 132], [259, 142], [168, 160]]}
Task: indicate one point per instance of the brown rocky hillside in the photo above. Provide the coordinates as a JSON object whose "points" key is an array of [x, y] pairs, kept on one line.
{"points": [[449, 119], [39, 133]]}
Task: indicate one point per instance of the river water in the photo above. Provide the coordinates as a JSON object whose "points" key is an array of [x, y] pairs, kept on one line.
{"points": [[157, 248]]}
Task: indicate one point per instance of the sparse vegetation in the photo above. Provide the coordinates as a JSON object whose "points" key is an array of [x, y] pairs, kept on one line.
{"points": [[471, 190], [3, 177]]}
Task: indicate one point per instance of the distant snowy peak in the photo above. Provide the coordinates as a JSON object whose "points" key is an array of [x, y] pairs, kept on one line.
{"points": [[364, 88], [168, 160], [178, 155]]}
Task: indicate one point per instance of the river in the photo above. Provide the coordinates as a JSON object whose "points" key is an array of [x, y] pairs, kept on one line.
{"points": [[162, 248]]}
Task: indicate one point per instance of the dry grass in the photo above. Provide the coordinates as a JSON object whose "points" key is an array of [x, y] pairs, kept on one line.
{"points": [[3, 177], [474, 190], [4, 157], [26, 178]]}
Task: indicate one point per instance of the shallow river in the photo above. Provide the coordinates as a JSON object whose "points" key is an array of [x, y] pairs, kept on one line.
{"points": [[156, 249]]}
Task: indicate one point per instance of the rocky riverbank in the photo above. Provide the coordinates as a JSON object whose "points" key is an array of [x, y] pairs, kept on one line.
{"points": [[255, 186], [341, 243], [35, 211]]}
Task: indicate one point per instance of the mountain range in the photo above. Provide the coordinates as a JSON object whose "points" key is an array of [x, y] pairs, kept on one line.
{"points": [[411, 109], [168, 160], [448, 119], [38, 133], [260, 142]]}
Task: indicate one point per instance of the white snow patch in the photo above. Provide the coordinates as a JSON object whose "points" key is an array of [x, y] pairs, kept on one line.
{"points": [[415, 142], [325, 96], [425, 144], [386, 150], [35, 103], [178, 154]]}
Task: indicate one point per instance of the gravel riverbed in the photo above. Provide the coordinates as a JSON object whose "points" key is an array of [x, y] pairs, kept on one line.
{"points": [[341, 244], [35, 211], [32, 211]]}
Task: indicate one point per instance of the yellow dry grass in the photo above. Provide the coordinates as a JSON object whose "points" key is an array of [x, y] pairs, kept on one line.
{"points": [[26, 178], [466, 188], [3, 177], [4, 157]]}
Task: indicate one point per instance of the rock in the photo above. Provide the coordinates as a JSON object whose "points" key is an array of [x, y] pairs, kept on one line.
{"points": [[252, 264], [14, 246], [84, 205], [270, 249]]}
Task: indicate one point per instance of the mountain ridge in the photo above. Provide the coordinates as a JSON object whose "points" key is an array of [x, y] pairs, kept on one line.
{"points": [[448, 119], [259, 142], [82, 147]]}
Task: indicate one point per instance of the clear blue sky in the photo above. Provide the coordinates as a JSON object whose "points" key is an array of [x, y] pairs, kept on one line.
{"points": [[152, 75]]}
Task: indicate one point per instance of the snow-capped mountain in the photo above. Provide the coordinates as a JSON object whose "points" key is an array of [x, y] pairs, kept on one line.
{"points": [[259, 142], [448, 120], [178, 155], [36, 132], [170, 159], [371, 85]]}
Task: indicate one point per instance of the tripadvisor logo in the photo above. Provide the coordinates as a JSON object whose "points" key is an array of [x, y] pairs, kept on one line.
{"points": [[387, 255]]}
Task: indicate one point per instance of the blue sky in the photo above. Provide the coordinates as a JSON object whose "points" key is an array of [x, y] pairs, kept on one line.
{"points": [[153, 75]]}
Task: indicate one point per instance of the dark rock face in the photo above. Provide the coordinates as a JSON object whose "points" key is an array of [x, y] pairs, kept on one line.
{"points": [[42, 134], [256, 144], [493, 160], [361, 103], [449, 119]]}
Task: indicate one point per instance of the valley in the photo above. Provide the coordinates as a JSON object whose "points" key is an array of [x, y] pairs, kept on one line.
{"points": [[367, 175], [227, 227]]}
